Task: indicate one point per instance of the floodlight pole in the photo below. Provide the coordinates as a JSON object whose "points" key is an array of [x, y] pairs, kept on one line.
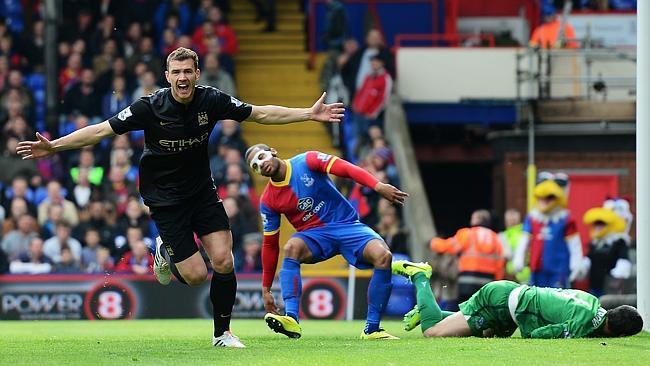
{"points": [[642, 161], [51, 16]]}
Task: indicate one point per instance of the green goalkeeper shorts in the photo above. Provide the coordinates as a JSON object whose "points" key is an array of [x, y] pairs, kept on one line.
{"points": [[488, 309]]}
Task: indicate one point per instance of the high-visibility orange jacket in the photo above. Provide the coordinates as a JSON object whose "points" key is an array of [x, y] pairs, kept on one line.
{"points": [[547, 34], [479, 250]]}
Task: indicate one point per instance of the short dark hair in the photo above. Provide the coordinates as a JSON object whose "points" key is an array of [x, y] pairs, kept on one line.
{"points": [[181, 54], [252, 148], [623, 321]]}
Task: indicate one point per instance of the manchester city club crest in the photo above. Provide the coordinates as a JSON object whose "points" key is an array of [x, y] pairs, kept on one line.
{"points": [[203, 118]]}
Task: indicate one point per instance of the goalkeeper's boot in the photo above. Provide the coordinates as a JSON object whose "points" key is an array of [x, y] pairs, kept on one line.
{"points": [[283, 324], [408, 269], [412, 319], [378, 334], [227, 339], [160, 265]]}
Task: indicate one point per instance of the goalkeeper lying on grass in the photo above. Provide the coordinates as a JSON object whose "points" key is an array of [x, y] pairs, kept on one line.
{"points": [[500, 307]]}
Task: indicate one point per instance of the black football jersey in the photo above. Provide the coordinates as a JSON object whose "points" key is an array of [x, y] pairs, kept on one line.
{"points": [[174, 164]]}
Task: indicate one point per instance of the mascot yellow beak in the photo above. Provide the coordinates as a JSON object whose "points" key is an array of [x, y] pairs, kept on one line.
{"points": [[613, 222], [549, 188]]}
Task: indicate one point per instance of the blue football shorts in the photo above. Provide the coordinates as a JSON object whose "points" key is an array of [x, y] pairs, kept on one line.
{"points": [[347, 239]]}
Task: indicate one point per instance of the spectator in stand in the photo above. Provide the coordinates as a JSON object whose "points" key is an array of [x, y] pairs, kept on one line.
{"points": [[11, 165], [120, 160], [168, 42], [354, 71], [105, 263], [212, 75], [382, 160], [391, 230], [551, 34], [218, 163], [239, 224], [91, 245], [230, 134], [146, 85], [84, 26], [249, 258], [55, 197], [132, 39], [19, 189], [270, 14], [82, 97], [103, 62], [16, 208], [117, 99], [97, 221], [224, 32], [69, 75], [375, 134], [331, 78], [336, 26], [34, 44], [177, 7], [137, 260], [246, 205], [68, 263], [84, 191], [235, 173], [16, 83], [371, 99], [7, 48], [87, 162], [117, 188], [134, 216], [17, 241], [105, 32], [53, 246], [4, 71], [147, 55], [118, 68], [32, 260], [54, 216], [18, 127], [124, 242], [79, 46], [114, 8]]}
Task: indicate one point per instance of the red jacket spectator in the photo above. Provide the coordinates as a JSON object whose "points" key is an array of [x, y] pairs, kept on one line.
{"points": [[225, 34], [371, 99]]}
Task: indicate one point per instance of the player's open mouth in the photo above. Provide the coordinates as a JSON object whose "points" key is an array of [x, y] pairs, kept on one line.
{"points": [[183, 88]]}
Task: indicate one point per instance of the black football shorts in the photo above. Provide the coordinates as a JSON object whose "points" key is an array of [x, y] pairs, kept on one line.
{"points": [[201, 214]]}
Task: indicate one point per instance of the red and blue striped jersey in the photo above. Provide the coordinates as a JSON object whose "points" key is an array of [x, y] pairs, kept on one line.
{"points": [[307, 196]]}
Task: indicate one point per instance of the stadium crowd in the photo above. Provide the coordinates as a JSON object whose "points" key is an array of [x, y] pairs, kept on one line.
{"points": [[80, 211]]}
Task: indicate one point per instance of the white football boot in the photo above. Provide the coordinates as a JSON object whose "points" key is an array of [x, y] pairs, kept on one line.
{"points": [[227, 339], [160, 265]]}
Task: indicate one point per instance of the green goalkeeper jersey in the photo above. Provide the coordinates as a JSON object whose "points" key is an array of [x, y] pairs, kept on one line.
{"points": [[557, 313]]}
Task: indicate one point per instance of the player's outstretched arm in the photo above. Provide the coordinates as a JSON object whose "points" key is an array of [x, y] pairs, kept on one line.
{"points": [[273, 114], [42, 147], [345, 169]]}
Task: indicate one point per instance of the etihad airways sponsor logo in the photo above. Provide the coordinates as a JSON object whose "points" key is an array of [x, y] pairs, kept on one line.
{"points": [[184, 144]]}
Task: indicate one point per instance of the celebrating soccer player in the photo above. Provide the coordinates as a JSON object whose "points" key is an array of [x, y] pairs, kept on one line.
{"points": [[327, 225], [499, 307], [175, 178]]}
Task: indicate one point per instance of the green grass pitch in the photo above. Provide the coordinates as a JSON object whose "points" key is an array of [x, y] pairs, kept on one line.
{"points": [[188, 342]]}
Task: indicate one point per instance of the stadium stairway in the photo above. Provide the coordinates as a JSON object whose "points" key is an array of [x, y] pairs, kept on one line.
{"points": [[271, 68]]}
